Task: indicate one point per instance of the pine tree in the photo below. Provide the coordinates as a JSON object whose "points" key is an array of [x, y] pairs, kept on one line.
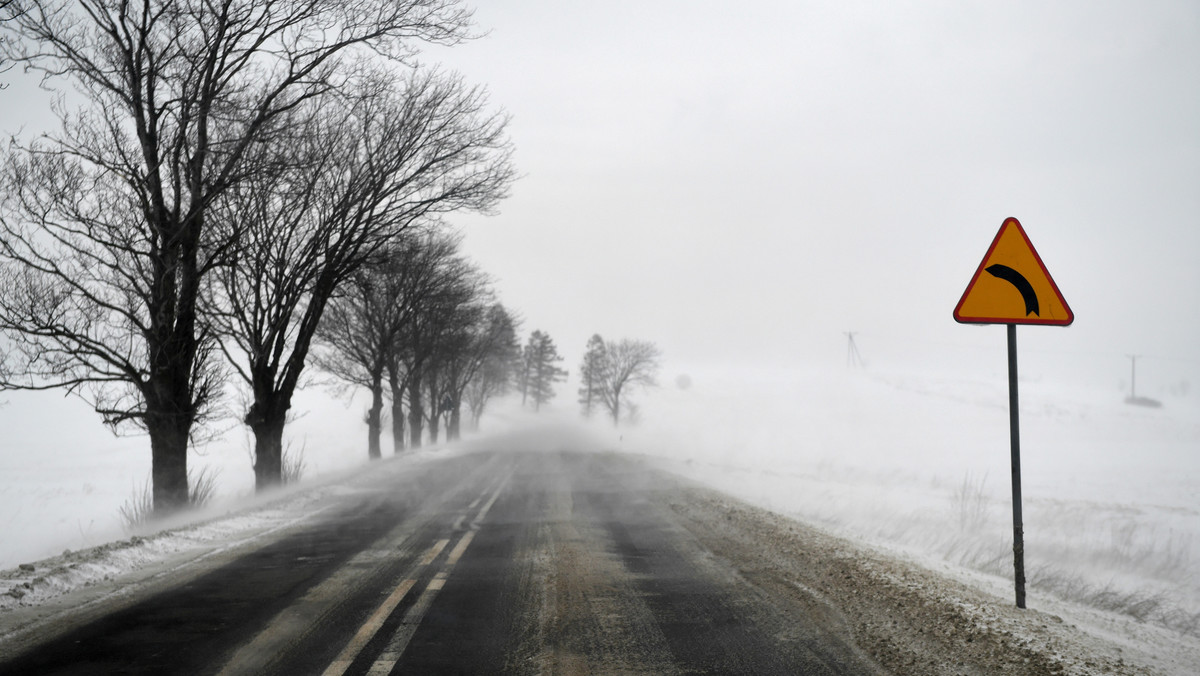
{"points": [[591, 372], [540, 370]]}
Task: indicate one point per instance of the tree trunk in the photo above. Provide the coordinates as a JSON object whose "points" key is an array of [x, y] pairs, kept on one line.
{"points": [[415, 412], [374, 424], [267, 417], [435, 408], [537, 387], [173, 347], [397, 424], [168, 465], [454, 426], [268, 452], [524, 385], [273, 399], [397, 391], [477, 412]]}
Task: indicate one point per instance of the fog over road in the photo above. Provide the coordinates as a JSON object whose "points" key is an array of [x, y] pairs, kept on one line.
{"points": [[551, 562]]}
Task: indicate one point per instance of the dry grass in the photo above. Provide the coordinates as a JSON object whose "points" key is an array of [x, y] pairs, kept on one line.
{"points": [[1065, 566], [138, 510], [292, 464], [970, 503]]}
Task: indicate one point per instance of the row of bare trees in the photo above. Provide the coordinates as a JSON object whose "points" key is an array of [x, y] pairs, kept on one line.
{"points": [[422, 322], [221, 172]]}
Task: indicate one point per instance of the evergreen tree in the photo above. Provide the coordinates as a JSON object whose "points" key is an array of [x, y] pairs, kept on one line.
{"points": [[540, 369], [591, 372]]}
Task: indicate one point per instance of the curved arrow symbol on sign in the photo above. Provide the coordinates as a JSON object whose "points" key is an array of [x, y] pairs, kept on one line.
{"points": [[1018, 280]]}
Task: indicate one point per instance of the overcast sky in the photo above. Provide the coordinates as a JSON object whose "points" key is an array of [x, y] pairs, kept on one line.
{"points": [[747, 182]]}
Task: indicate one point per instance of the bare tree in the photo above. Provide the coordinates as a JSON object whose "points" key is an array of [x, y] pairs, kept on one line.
{"points": [[367, 332], [433, 268], [360, 329], [627, 364], [7, 12], [435, 339], [106, 235], [400, 151], [352, 342], [487, 340], [499, 364]]}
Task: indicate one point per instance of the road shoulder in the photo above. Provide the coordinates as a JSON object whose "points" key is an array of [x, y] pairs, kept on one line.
{"points": [[908, 619]]}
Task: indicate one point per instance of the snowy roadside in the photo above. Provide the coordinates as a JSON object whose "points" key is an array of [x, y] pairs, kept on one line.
{"points": [[35, 594], [916, 466], [921, 617], [962, 606], [33, 584]]}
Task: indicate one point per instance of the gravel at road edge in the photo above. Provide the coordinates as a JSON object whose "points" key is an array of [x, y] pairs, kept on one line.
{"points": [[910, 620]]}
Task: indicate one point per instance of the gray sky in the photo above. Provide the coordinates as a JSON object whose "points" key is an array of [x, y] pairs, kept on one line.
{"points": [[745, 183]]}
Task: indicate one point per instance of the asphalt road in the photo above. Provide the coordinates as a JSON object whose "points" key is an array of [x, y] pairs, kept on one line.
{"points": [[490, 563]]}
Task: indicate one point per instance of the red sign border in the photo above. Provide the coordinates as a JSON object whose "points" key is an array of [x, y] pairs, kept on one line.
{"points": [[979, 271]]}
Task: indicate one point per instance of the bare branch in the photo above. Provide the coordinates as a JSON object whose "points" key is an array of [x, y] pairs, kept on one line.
{"points": [[108, 223]]}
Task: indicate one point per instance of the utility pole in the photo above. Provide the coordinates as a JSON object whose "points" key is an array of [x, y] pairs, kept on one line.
{"points": [[853, 358], [1133, 375]]}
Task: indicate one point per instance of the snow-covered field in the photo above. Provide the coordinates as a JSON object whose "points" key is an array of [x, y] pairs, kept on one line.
{"points": [[915, 463], [64, 477]]}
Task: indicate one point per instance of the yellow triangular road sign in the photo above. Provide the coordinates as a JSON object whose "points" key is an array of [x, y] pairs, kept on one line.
{"points": [[1012, 285]]}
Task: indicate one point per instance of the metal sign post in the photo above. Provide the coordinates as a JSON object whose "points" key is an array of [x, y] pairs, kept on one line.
{"points": [[1012, 286], [1014, 435]]}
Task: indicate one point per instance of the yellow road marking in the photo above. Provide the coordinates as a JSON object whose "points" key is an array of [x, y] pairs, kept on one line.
{"points": [[412, 619], [366, 632]]}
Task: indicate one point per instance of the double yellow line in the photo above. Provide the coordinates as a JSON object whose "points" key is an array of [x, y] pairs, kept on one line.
{"points": [[412, 618]]}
